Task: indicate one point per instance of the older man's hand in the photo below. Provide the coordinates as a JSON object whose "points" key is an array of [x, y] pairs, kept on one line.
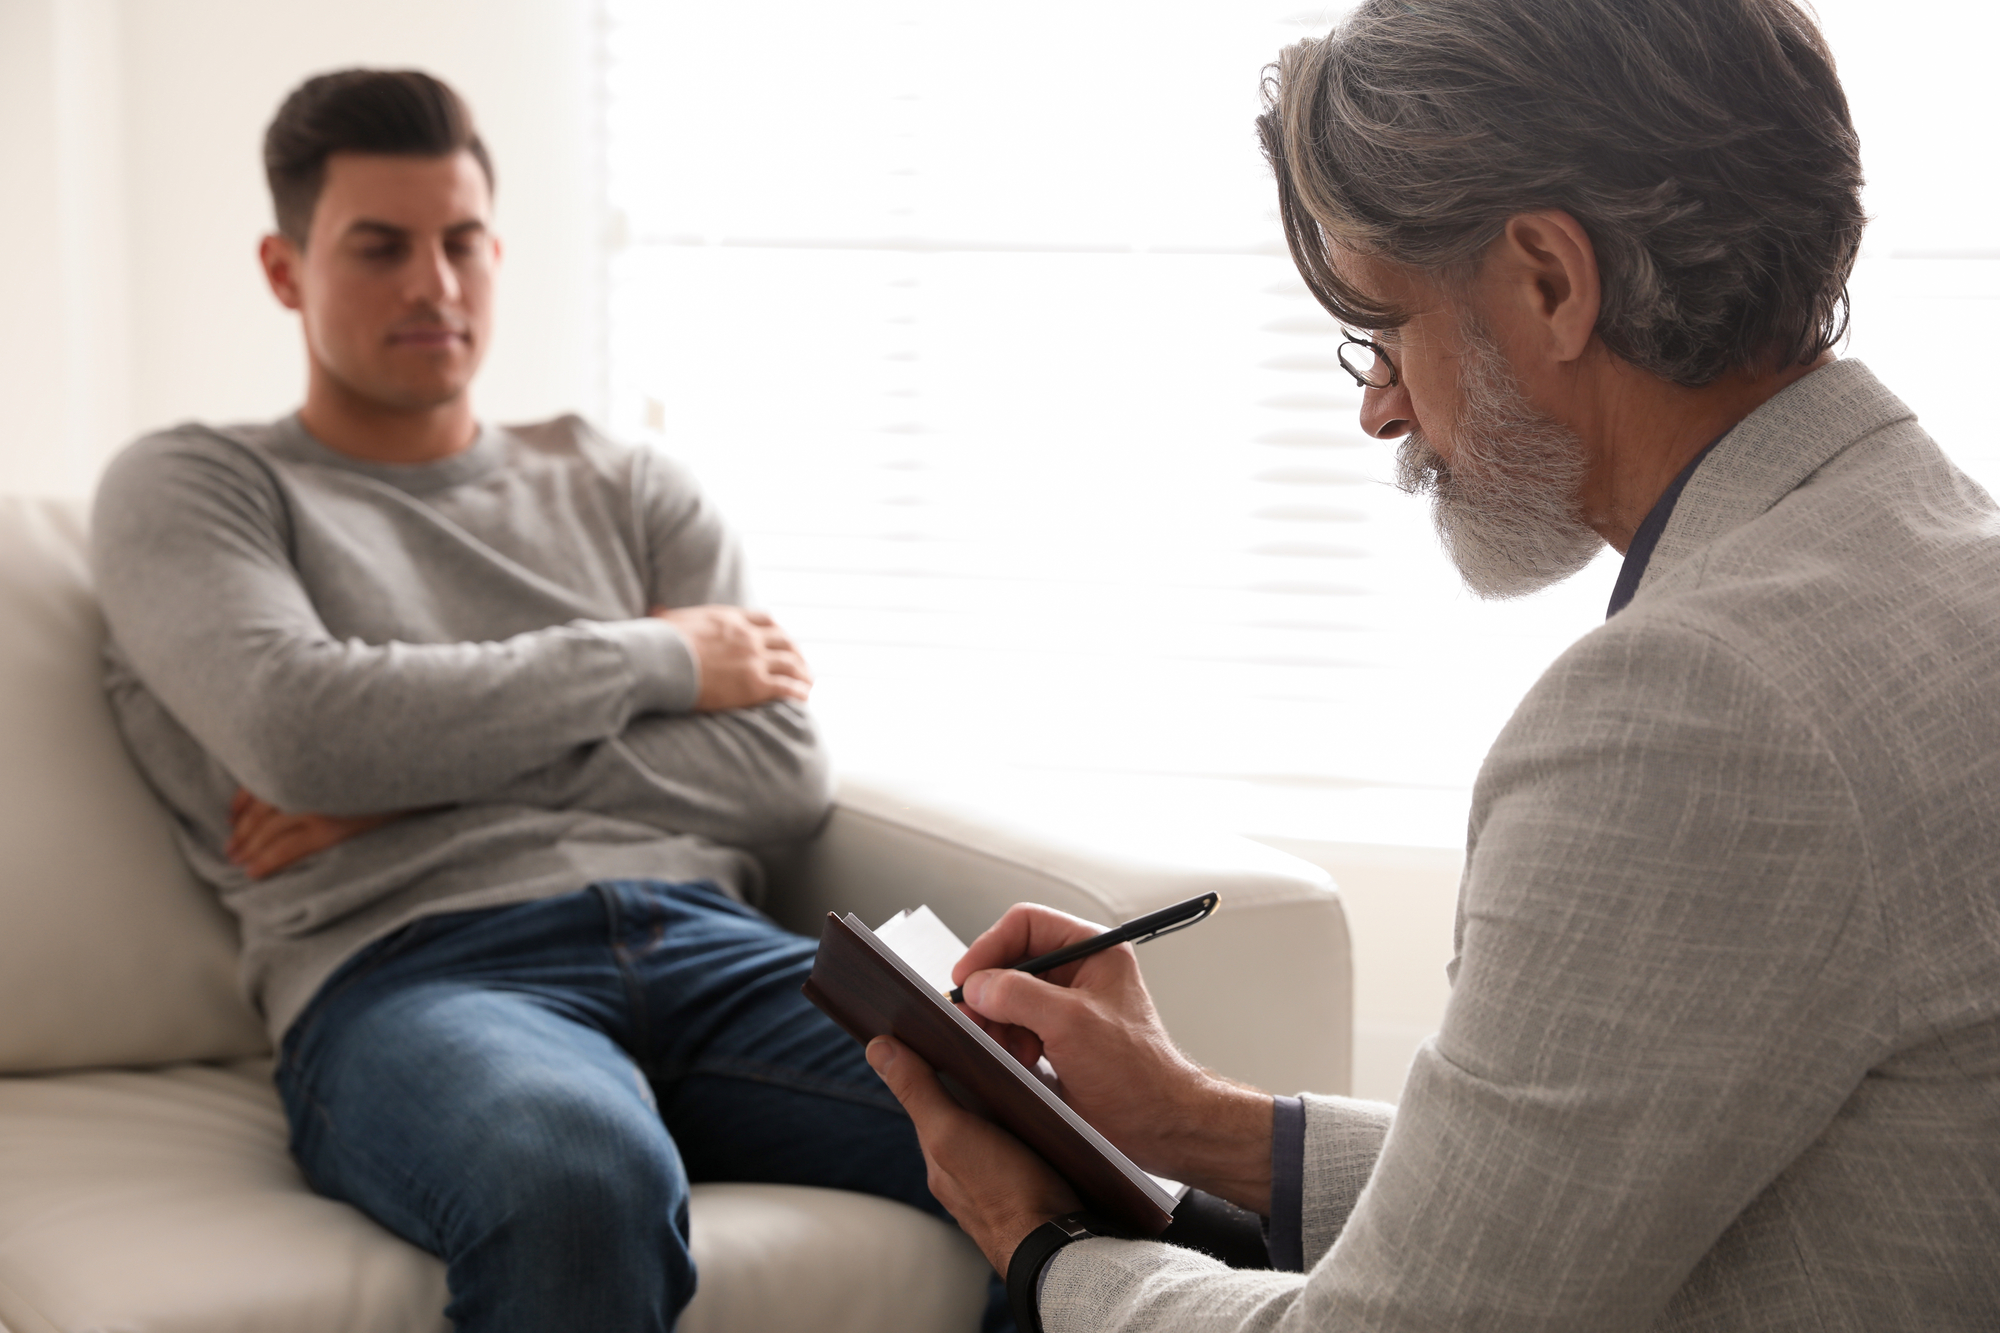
{"points": [[1114, 1061], [985, 1177]]}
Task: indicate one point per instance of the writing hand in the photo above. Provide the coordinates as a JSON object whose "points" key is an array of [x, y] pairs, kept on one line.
{"points": [[264, 839], [1114, 1061], [996, 1187], [745, 658]]}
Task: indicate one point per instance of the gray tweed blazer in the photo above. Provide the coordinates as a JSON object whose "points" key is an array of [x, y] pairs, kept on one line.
{"points": [[1723, 1047]]}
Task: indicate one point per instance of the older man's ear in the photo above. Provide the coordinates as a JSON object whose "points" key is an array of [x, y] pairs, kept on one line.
{"points": [[1538, 289]]}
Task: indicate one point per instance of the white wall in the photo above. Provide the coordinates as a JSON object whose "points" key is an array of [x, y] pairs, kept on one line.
{"points": [[64, 328], [129, 135], [1401, 903]]}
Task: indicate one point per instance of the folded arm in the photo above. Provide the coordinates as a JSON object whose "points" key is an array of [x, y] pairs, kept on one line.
{"points": [[747, 777], [747, 768], [191, 555]]}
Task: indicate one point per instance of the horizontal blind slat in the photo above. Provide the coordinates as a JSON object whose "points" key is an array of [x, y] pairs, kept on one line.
{"points": [[1047, 461]]}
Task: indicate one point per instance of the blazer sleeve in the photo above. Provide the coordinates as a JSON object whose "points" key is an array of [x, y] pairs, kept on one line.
{"points": [[1671, 975], [1343, 1140]]}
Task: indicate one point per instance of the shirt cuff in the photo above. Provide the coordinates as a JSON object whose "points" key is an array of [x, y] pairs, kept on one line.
{"points": [[666, 678], [1286, 1237]]}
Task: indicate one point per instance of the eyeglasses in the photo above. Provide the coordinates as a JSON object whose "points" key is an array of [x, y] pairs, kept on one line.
{"points": [[1379, 371]]}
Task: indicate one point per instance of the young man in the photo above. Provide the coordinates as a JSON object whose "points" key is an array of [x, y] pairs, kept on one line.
{"points": [[1723, 1048], [469, 728]]}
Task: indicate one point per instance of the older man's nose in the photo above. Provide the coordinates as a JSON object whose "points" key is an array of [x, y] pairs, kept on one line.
{"points": [[1386, 414]]}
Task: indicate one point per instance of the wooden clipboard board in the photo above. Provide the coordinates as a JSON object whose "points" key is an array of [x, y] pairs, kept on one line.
{"points": [[862, 985]]}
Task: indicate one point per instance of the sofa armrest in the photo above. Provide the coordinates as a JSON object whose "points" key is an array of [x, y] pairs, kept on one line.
{"points": [[1262, 992], [17, 1317]]}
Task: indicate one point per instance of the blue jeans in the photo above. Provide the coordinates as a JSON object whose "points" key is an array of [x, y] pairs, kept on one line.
{"points": [[528, 1091]]}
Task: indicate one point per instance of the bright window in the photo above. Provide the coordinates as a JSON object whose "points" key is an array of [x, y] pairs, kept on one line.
{"points": [[978, 323]]}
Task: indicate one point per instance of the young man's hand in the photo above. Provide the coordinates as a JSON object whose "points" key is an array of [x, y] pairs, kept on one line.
{"points": [[264, 839], [745, 658], [1115, 1063]]}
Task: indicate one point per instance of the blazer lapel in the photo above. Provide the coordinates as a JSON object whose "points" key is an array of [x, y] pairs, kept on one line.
{"points": [[1769, 454]]}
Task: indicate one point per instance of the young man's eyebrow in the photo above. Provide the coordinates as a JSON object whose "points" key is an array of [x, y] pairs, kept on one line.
{"points": [[390, 231], [386, 230]]}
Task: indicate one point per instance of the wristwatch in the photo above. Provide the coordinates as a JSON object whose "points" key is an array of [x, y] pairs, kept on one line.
{"points": [[1024, 1270]]}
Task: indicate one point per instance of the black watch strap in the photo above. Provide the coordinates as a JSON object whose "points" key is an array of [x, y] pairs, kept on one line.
{"points": [[1024, 1270]]}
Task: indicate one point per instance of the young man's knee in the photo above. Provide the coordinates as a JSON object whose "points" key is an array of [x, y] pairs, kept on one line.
{"points": [[574, 1161]]}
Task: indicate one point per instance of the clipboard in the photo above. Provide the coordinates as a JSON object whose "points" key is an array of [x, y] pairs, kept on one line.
{"points": [[861, 984]]}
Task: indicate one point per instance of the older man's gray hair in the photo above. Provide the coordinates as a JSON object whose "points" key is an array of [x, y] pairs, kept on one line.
{"points": [[1725, 212]]}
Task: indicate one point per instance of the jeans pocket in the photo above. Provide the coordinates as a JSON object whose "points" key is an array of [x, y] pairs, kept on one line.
{"points": [[365, 962]]}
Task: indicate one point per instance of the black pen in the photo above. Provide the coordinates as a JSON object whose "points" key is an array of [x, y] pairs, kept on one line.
{"points": [[1136, 931]]}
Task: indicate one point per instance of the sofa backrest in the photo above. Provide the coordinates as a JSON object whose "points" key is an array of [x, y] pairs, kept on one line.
{"points": [[110, 952]]}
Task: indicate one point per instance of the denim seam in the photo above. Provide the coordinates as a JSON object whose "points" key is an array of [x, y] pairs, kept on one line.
{"points": [[628, 978]]}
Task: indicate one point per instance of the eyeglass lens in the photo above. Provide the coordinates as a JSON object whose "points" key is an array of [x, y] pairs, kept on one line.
{"points": [[1366, 364]]}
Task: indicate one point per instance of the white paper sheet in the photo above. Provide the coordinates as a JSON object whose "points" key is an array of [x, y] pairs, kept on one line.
{"points": [[925, 943]]}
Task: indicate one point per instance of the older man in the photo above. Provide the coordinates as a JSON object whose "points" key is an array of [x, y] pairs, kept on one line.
{"points": [[1723, 1048]]}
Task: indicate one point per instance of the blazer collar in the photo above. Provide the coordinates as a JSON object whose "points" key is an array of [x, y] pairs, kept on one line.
{"points": [[1769, 453]]}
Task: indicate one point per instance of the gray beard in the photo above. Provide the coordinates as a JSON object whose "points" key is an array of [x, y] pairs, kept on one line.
{"points": [[1506, 508]]}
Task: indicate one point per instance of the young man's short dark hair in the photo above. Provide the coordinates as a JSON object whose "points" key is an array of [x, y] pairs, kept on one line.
{"points": [[401, 112]]}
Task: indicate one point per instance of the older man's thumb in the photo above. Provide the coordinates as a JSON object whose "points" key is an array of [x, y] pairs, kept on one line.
{"points": [[1007, 996], [908, 1077]]}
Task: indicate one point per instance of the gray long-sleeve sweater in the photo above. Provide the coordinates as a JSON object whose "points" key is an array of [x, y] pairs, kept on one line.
{"points": [[467, 640]]}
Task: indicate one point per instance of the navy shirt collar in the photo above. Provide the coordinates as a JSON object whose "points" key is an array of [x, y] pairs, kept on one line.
{"points": [[1640, 552]]}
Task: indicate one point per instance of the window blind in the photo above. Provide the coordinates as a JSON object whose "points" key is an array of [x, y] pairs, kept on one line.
{"points": [[977, 322]]}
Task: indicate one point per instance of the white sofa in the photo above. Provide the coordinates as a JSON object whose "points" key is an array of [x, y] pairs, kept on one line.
{"points": [[144, 1180]]}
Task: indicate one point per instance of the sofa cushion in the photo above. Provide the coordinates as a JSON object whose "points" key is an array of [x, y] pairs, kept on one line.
{"points": [[165, 1202], [110, 952]]}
